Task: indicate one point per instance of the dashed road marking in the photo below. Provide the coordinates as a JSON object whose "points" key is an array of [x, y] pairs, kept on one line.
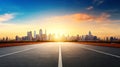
{"points": [[60, 57]]}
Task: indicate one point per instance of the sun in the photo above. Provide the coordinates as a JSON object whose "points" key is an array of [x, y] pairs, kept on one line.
{"points": [[59, 31], [57, 38], [58, 34]]}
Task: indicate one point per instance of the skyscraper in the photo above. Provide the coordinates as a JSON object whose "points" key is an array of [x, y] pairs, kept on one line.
{"points": [[44, 36], [29, 35], [90, 33], [17, 38], [34, 34], [41, 33]]}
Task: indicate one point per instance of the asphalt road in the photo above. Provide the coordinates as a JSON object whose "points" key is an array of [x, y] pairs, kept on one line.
{"points": [[59, 54]]}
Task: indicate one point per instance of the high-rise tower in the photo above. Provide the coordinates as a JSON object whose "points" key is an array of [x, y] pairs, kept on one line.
{"points": [[29, 35], [41, 34], [90, 33], [34, 34]]}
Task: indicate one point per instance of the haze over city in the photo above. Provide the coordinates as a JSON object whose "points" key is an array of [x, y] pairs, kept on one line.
{"points": [[59, 33], [60, 17]]}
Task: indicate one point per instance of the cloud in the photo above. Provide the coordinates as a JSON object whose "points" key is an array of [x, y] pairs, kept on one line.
{"points": [[98, 2], [94, 4], [80, 17], [104, 17], [90, 8], [6, 17]]}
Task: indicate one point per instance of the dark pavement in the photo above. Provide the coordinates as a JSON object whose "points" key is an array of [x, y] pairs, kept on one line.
{"points": [[43, 55], [77, 56], [59, 54]]}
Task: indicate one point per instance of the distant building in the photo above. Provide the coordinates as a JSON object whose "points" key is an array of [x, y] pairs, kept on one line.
{"points": [[88, 37], [41, 33], [51, 37], [90, 33], [34, 34], [29, 35], [25, 38], [44, 36], [37, 37], [17, 38], [6, 39], [3, 39]]}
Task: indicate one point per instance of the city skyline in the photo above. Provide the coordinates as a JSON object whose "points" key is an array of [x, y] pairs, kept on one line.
{"points": [[55, 33], [43, 35], [60, 16], [59, 33]]}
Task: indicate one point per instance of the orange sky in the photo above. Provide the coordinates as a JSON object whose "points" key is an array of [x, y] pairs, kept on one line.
{"points": [[78, 23]]}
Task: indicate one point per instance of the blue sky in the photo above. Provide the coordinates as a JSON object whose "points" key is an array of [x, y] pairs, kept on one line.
{"points": [[27, 8], [96, 15]]}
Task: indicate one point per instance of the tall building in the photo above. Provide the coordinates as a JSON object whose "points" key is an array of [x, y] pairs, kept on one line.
{"points": [[17, 38], [89, 36], [37, 37], [44, 36], [7, 38], [29, 35], [3, 39], [35, 34], [90, 33], [41, 34]]}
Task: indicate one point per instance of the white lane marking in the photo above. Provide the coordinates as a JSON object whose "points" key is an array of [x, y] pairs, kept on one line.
{"points": [[60, 57], [101, 52], [16, 52]]}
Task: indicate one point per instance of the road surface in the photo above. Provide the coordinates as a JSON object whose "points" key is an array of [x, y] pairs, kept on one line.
{"points": [[59, 54]]}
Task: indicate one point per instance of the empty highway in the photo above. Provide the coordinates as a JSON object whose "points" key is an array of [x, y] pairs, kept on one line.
{"points": [[59, 54]]}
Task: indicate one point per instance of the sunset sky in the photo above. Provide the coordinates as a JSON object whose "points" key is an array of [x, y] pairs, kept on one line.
{"points": [[102, 17]]}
